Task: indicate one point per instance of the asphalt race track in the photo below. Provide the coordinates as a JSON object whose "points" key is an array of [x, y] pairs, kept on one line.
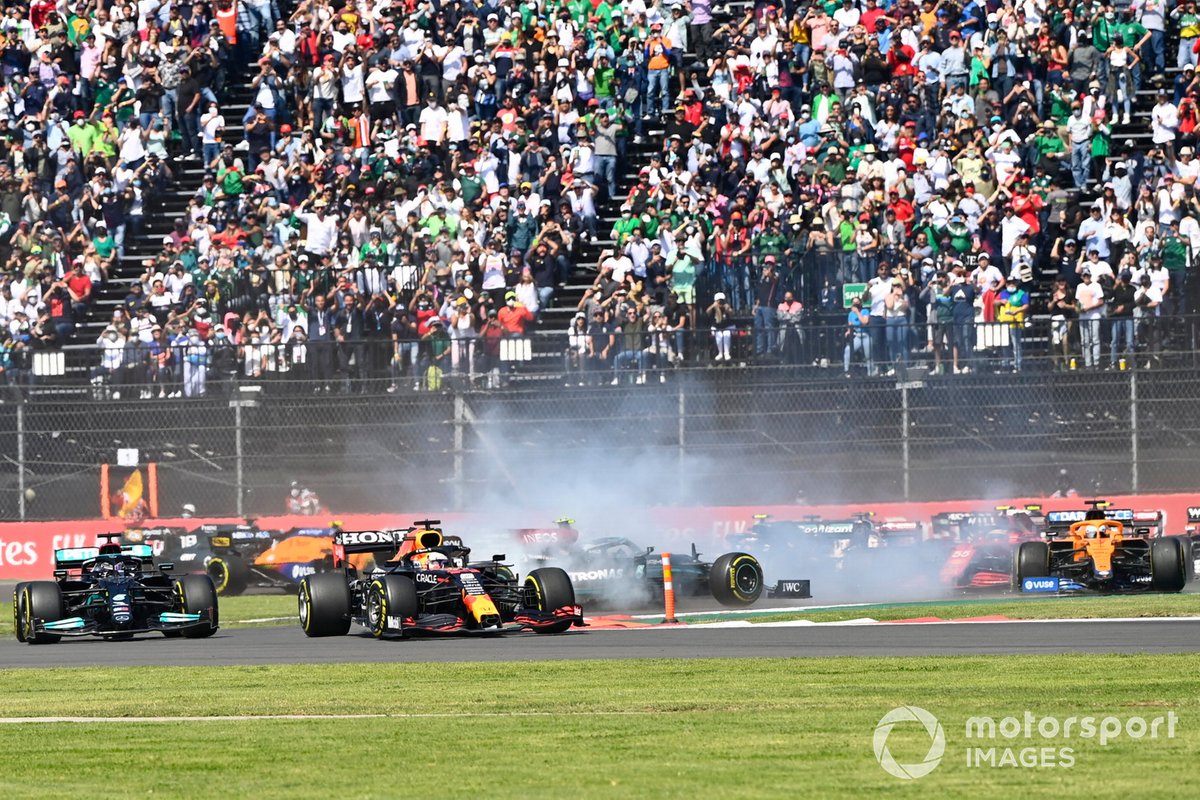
{"points": [[288, 645]]}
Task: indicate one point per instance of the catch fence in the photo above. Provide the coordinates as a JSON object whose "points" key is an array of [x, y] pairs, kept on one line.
{"points": [[729, 436]]}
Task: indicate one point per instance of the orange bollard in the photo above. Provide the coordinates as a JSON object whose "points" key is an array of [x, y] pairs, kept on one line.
{"points": [[668, 589]]}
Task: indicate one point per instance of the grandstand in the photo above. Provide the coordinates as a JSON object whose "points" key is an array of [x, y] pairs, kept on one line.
{"points": [[747, 86]]}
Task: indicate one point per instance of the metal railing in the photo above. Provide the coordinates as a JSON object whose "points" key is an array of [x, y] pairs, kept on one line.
{"points": [[816, 342]]}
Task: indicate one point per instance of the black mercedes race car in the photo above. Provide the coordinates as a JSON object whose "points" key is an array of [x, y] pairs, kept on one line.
{"points": [[113, 591], [615, 570], [424, 581]]}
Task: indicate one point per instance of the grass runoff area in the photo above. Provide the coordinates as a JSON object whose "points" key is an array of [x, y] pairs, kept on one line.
{"points": [[746, 728]]}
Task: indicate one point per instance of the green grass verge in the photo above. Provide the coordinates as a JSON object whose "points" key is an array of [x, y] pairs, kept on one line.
{"points": [[1090, 607], [747, 728]]}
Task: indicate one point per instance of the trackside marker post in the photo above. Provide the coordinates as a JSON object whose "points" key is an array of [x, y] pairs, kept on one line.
{"points": [[668, 589]]}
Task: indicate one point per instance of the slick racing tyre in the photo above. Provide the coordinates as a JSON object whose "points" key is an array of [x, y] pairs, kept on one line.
{"points": [[390, 596], [1189, 556], [1168, 570], [230, 574], [1032, 560], [735, 579], [39, 600], [19, 610], [547, 589], [197, 595], [325, 604]]}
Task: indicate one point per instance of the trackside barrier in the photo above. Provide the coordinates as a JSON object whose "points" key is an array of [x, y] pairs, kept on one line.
{"points": [[27, 549], [668, 590]]}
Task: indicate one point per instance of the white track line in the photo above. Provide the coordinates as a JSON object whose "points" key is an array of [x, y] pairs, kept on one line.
{"points": [[311, 717], [806, 623]]}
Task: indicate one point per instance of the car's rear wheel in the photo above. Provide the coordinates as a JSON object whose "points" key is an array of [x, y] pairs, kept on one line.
{"points": [[1032, 560], [390, 596], [197, 595], [324, 601], [1189, 556], [1168, 572], [735, 579], [548, 589], [40, 600], [230, 574]]}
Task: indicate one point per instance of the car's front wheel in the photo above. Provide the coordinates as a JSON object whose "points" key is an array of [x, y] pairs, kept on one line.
{"points": [[39, 600], [197, 595], [390, 596], [736, 579], [548, 589]]}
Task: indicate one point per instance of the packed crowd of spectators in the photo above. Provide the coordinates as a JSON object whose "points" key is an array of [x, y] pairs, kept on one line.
{"points": [[417, 181]]}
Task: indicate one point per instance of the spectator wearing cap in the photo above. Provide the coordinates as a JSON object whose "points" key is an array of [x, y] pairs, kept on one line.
{"points": [[630, 344], [1012, 307], [1164, 121], [723, 326], [1091, 233], [1089, 302], [658, 55], [1148, 300], [767, 297], [1120, 314], [1062, 309]]}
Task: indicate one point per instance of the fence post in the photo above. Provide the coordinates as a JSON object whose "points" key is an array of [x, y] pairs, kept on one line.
{"points": [[904, 437], [237, 446], [1133, 431], [681, 409], [460, 422], [21, 458]]}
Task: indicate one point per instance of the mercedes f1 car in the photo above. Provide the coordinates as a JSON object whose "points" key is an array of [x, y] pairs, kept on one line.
{"points": [[113, 591], [1101, 554], [424, 581], [241, 556], [615, 569]]}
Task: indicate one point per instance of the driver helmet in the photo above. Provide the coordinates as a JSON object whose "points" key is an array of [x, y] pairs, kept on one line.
{"points": [[436, 561]]}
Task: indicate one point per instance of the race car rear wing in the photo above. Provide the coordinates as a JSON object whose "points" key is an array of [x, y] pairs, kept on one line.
{"points": [[350, 542], [76, 557], [836, 527], [1138, 523]]}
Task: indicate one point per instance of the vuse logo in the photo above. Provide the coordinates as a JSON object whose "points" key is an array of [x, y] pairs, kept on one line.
{"points": [[937, 742]]}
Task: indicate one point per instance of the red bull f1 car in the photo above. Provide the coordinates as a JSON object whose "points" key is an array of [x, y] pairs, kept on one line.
{"points": [[423, 581], [1102, 552], [113, 591]]}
